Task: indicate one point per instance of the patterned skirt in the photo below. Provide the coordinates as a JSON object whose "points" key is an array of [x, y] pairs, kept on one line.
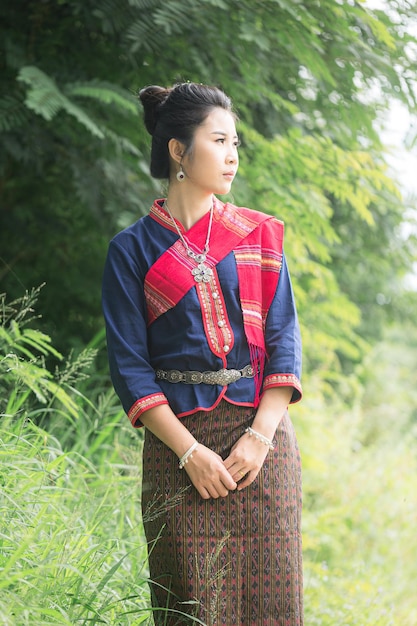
{"points": [[225, 561]]}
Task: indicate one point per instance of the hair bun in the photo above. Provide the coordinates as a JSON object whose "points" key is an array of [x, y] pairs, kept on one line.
{"points": [[152, 97]]}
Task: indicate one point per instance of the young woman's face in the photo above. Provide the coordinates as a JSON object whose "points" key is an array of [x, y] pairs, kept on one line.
{"points": [[213, 161]]}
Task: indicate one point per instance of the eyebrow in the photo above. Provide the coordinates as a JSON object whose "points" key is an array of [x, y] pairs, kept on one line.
{"points": [[221, 132]]}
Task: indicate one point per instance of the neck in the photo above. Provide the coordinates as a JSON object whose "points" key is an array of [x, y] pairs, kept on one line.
{"points": [[188, 209]]}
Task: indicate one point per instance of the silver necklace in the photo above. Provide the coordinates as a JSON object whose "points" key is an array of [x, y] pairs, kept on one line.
{"points": [[201, 273]]}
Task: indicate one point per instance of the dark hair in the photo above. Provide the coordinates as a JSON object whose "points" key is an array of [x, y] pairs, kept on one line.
{"points": [[176, 112]]}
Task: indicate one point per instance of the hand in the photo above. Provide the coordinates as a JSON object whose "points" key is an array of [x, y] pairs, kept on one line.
{"points": [[245, 460], [208, 473]]}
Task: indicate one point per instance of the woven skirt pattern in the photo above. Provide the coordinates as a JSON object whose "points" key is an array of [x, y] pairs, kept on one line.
{"points": [[232, 560]]}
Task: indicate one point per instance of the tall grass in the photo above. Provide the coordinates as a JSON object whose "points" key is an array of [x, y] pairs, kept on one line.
{"points": [[72, 547], [72, 544]]}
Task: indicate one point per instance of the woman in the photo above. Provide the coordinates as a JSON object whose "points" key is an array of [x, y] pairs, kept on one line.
{"points": [[204, 351]]}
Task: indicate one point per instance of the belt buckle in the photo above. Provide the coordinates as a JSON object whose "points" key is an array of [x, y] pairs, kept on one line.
{"points": [[247, 371], [222, 377]]}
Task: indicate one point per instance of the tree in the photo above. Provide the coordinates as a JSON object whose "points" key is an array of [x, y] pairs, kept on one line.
{"points": [[303, 76]]}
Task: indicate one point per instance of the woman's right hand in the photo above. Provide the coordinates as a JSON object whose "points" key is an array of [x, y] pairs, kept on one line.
{"points": [[205, 468], [208, 473]]}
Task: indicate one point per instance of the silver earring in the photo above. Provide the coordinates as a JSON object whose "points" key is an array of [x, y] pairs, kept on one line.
{"points": [[180, 175]]}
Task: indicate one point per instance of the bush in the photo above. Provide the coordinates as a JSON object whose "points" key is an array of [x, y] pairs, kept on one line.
{"points": [[73, 547]]}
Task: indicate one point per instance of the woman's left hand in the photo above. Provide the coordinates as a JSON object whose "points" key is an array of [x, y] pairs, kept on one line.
{"points": [[245, 460], [249, 453]]}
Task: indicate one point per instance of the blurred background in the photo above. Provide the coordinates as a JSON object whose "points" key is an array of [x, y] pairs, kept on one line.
{"points": [[326, 95]]}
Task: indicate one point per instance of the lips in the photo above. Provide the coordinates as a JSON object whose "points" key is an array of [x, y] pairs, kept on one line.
{"points": [[230, 175]]}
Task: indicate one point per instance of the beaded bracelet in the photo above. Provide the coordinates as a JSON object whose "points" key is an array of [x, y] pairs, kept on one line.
{"points": [[188, 455], [260, 437]]}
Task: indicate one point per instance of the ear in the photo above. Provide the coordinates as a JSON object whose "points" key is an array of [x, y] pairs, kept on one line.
{"points": [[176, 150]]}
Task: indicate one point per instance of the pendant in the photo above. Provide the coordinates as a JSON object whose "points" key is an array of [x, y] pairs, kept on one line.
{"points": [[202, 273], [199, 258]]}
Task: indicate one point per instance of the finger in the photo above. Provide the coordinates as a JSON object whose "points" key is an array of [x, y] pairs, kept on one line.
{"points": [[237, 470], [228, 481], [203, 493], [233, 459], [217, 491], [233, 464], [250, 477], [239, 474]]}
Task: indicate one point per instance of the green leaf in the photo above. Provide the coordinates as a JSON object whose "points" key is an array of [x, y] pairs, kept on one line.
{"points": [[45, 98], [105, 93]]}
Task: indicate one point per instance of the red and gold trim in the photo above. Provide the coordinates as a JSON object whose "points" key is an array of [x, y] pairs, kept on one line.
{"points": [[258, 256], [170, 278], [217, 327], [143, 404], [283, 380]]}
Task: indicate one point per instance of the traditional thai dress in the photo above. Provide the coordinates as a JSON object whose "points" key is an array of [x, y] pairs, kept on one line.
{"points": [[232, 560]]}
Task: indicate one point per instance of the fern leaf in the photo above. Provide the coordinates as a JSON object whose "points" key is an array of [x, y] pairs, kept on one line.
{"points": [[221, 4], [144, 4], [45, 98], [122, 143], [13, 113], [173, 18], [104, 92], [144, 34]]}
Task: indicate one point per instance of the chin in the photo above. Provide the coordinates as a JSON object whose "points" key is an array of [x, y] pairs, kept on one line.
{"points": [[223, 189]]}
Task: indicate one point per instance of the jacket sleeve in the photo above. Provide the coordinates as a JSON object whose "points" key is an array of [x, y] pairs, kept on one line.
{"points": [[283, 340], [124, 310]]}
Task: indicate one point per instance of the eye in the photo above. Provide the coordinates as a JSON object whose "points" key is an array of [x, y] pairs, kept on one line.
{"points": [[237, 143], [220, 140]]}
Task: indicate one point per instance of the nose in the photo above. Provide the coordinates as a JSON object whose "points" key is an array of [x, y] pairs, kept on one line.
{"points": [[233, 157]]}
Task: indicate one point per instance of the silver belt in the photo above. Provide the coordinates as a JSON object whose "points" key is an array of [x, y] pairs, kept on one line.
{"points": [[220, 377]]}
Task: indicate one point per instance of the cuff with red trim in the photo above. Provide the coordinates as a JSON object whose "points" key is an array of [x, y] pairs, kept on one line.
{"points": [[285, 380], [142, 405]]}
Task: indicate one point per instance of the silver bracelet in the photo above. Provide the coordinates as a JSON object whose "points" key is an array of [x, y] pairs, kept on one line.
{"points": [[260, 437], [188, 455]]}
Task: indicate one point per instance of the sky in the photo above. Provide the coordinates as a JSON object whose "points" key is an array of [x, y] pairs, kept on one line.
{"points": [[399, 127]]}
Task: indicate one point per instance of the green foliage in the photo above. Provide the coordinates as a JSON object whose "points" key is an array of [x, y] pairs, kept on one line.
{"points": [[73, 551], [67, 551], [25, 379], [359, 470], [73, 548], [309, 80], [303, 76], [45, 99], [344, 251]]}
